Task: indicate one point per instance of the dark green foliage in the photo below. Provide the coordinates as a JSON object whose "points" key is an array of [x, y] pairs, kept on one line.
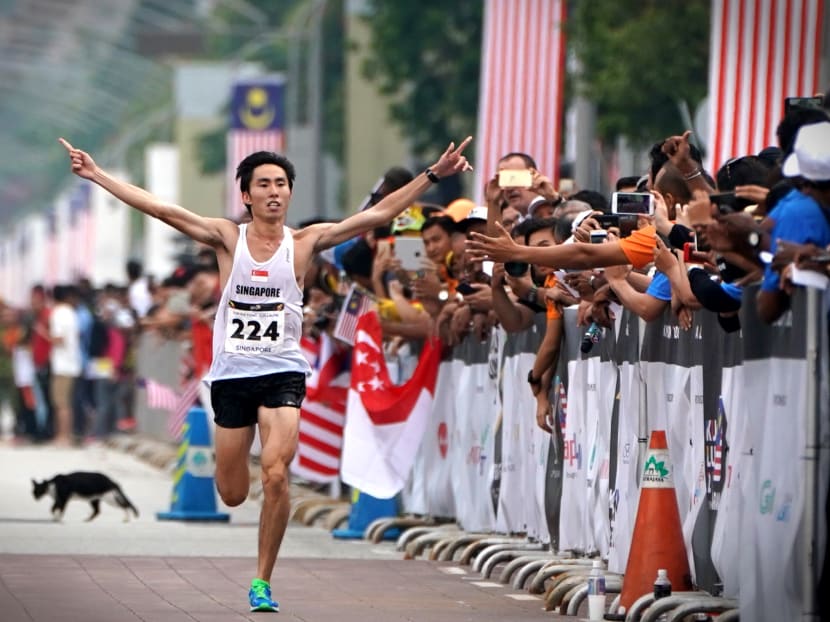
{"points": [[427, 55], [639, 59]]}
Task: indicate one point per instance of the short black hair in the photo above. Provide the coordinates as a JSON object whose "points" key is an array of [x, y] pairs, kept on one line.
{"points": [[445, 222], [358, 259], [540, 224], [521, 228], [794, 120], [564, 228], [527, 159], [596, 200], [625, 182], [396, 177], [245, 170], [745, 171]]}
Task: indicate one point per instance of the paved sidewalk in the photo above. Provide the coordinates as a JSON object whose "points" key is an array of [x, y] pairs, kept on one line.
{"points": [[41, 588]]}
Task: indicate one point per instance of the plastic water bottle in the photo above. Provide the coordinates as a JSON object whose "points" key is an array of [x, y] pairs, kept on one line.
{"points": [[596, 592], [662, 588], [662, 585], [591, 336]]}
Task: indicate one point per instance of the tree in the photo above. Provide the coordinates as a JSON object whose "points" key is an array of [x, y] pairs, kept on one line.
{"points": [[426, 55], [639, 60]]}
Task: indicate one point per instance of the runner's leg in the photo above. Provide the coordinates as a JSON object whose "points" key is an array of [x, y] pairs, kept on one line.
{"points": [[279, 431], [232, 476]]}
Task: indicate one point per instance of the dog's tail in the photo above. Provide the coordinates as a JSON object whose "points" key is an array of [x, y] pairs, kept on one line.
{"points": [[124, 502]]}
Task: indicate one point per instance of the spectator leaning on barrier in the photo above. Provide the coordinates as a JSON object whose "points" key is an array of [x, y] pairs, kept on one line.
{"points": [[258, 371], [802, 216], [513, 313], [542, 234]]}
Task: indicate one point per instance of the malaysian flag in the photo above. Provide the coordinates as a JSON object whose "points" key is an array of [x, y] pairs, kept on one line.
{"points": [[323, 413], [256, 124], [357, 302], [159, 395], [761, 51], [523, 46]]}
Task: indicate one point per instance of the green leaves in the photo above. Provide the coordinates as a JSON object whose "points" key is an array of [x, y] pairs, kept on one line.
{"points": [[639, 60], [426, 56]]}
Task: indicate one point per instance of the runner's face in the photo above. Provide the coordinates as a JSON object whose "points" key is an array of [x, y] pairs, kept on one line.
{"points": [[269, 193]]}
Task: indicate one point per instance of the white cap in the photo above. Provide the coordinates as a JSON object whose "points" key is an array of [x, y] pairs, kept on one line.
{"points": [[810, 158], [479, 212], [579, 218]]}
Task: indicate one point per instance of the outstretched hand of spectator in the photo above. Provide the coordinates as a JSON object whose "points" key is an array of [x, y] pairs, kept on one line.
{"points": [[82, 163]]}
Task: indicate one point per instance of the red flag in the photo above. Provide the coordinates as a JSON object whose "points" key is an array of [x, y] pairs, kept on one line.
{"points": [[761, 51], [521, 87], [323, 412], [384, 422]]}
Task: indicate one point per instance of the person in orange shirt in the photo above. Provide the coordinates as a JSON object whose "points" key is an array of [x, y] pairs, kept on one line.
{"points": [[637, 249]]}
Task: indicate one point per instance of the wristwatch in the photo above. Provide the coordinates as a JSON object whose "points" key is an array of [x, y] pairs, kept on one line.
{"points": [[533, 381], [532, 295], [443, 295]]}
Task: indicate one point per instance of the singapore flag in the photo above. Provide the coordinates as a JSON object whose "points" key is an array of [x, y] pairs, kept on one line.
{"points": [[384, 422]]}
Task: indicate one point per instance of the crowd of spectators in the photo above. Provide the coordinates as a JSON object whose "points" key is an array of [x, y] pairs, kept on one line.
{"points": [[533, 248]]}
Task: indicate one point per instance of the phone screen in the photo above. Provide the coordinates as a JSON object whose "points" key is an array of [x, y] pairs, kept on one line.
{"points": [[625, 223], [515, 178], [632, 203], [802, 102]]}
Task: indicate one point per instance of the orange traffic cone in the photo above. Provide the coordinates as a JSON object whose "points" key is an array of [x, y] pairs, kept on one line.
{"points": [[658, 537]]}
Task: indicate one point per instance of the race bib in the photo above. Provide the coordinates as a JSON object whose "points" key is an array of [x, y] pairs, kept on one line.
{"points": [[255, 329]]}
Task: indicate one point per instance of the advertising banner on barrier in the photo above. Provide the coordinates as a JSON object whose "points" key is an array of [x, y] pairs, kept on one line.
{"points": [[775, 367], [472, 440]]}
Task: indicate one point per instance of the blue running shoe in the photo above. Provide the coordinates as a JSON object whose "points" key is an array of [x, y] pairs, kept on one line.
{"points": [[260, 596]]}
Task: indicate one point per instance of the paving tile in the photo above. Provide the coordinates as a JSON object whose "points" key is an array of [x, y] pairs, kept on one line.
{"points": [[132, 589]]}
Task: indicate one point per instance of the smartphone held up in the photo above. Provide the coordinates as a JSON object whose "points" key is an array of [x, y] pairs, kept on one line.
{"points": [[515, 178], [640, 203]]}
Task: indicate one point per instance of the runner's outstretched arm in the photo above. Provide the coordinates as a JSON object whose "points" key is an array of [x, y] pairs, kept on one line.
{"points": [[452, 161], [205, 230]]}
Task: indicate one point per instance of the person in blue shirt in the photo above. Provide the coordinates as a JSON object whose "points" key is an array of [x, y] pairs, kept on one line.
{"points": [[802, 215]]}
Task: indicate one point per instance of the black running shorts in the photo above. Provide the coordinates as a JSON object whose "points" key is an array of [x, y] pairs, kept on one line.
{"points": [[235, 401]]}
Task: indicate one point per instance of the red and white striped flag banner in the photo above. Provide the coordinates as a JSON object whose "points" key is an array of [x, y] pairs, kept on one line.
{"points": [[323, 413], [761, 51], [521, 88], [256, 124], [164, 397]]}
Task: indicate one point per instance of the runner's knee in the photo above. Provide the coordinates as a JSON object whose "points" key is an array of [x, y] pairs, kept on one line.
{"points": [[275, 477], [232, 493]]}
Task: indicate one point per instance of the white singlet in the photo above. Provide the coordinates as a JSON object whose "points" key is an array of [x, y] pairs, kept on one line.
{"points": [[259, 320]]}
